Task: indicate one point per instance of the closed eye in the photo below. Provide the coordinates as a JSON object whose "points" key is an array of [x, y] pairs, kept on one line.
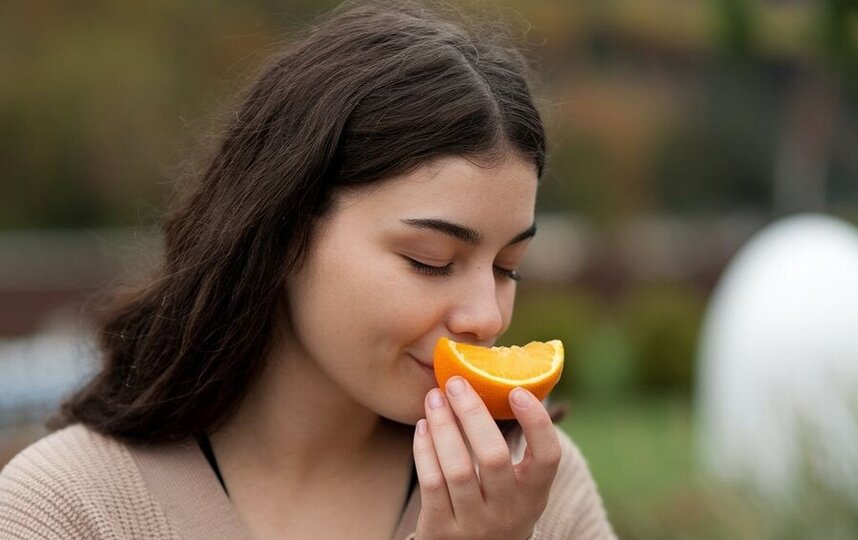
{"points": [[430, 270], [447, 269], [509, 274]]}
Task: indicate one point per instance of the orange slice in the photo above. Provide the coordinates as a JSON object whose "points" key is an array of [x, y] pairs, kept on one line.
{"points": [[495, 371]]}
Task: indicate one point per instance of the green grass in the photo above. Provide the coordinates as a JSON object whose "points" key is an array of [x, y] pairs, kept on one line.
{"points": [[641, 454], [644, 446]]}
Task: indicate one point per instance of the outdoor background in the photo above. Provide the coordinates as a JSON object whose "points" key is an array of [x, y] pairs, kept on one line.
{"points": [[678, 129]]}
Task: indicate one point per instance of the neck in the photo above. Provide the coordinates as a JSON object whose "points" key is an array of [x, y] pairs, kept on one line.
{"points": [[296, 426], [298, 454]]}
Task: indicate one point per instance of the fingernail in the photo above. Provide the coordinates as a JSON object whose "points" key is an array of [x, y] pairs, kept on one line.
{"points": [[436, 400], [456, 386], [521, 398], [421, 426]]}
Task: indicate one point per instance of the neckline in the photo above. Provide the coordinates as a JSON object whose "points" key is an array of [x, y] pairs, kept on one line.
{"points": [[179, 477], [205, 446]]}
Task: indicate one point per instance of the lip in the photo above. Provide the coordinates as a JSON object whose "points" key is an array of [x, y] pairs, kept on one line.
{"points": [[423, 365]]}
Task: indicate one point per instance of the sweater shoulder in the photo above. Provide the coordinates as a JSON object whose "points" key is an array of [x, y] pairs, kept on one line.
{"points": [[70, 457], [575, 509], [77, 483]]}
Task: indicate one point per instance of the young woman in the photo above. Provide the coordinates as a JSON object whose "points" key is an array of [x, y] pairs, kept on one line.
{"points": [[374, 192]]}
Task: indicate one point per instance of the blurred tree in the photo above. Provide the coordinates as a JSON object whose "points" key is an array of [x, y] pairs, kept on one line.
{"points": [[718, 157], [660, 106], [575, 178], [838, 24], [735, 30], [663, 324], [108, 103]]}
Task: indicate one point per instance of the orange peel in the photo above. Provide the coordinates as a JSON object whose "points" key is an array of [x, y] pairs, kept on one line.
{"points": [[494, 371]]}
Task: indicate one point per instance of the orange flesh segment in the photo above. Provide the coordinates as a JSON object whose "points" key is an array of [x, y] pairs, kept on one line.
{"points": [[514, 363]]}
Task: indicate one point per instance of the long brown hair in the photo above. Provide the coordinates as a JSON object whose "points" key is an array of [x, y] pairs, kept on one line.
{"points": [[372, 91]]}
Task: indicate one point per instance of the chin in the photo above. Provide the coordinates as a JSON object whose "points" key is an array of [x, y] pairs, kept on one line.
{"points": [[405, 415]]}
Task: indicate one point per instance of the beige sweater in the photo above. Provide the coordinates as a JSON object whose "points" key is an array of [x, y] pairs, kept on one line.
{"points": [[76, 483]]}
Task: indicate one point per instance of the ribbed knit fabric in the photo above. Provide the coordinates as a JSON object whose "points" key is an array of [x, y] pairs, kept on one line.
{"points": [[575, 509], [77, 484]]}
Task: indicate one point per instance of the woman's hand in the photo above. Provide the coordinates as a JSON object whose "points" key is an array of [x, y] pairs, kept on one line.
{"points": [[504, 500]]}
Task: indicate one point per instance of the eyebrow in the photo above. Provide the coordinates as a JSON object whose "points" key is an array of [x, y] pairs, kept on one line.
{"points": [[464, 234]]}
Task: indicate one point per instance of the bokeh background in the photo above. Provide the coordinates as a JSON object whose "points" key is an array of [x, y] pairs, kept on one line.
{"points": [[678, 129]]}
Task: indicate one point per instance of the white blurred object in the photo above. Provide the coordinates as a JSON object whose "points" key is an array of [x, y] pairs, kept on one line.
{"points": [[38, 371], [778, 360]]}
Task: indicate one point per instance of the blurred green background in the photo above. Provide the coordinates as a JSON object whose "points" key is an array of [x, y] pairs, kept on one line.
{"points": [[677, 130]]}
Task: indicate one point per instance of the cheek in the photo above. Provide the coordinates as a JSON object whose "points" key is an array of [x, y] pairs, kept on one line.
{"points": [[407, 306], [355, 301]]}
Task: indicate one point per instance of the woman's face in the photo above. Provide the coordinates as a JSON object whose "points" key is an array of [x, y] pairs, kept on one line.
{"points": [[395, 266]]}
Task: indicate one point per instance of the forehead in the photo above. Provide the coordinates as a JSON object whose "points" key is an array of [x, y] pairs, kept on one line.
{"points": [[487, 197]]}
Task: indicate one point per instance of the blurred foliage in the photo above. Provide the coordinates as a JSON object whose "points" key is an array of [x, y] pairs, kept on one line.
{"points": [[644, 344], [720, 158], [735, 29], [663, 325], [660, 105], [838, 32], [576, 172], [605, 367]]}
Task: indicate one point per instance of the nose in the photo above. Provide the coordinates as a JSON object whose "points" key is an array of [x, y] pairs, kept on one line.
{"points": [[477, 314]]}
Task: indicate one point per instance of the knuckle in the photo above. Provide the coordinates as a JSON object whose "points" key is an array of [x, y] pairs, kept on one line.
{"points": [[460, 476], [551, 455], [433, 484], [470, 406], [548, 463], [496, 459]]}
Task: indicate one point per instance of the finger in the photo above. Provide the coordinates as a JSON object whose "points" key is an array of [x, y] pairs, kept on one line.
{"points": [[434, 498], [453, 455], [542, 455], [489, 447]]}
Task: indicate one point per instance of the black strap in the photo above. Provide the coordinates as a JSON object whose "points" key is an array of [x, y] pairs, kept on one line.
{"points": [[206, 447]]}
